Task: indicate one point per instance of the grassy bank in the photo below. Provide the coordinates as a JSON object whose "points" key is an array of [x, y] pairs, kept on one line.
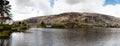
{"points": [[6, 30], [77, 26]]}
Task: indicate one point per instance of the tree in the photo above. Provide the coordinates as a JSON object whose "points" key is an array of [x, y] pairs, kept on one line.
{"points": [[5, 14], [42, 24]]}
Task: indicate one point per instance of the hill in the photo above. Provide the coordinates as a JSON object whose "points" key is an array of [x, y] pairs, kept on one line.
{"points": [[74, 19]]}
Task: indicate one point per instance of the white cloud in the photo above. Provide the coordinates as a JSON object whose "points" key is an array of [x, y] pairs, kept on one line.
{"points": [[82, 6], [95, 6], [23, 9], [113, 10]]}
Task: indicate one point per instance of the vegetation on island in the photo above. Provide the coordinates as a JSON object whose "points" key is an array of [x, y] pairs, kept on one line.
{"points": [[7, 25], [76, 26], [6, 29], [75, 20], [5, 16]]}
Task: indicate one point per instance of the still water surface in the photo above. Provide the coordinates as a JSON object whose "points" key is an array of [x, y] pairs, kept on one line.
{"points": [[67, 37]]}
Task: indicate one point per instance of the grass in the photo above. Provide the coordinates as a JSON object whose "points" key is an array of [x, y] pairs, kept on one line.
{"points": [[78, 26], [74, 26], [90, 26], [6, 30], [4, 33]]}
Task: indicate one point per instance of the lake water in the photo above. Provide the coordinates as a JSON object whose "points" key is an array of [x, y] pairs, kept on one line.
{"points": [[66, 37]]}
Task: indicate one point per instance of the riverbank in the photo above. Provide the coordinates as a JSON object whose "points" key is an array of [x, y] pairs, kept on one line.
{"points": [[6, 30], [67, 26]]}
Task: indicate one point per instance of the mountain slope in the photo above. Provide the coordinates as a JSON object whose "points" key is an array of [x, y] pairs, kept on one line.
{"points": [[74, 18]]}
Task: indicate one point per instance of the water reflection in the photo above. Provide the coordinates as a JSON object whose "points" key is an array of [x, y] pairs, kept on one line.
{"points": [[4, 42], [67, 37]]}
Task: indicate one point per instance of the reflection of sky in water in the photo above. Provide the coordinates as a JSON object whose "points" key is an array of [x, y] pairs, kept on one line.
{"points": [[67, 37], [16, 38]]}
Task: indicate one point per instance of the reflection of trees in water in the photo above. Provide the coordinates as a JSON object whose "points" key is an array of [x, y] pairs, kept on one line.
{"points": [[94, 34], [4, 42], [1, 42], [87, 34], [47, 38], [73, 37]]}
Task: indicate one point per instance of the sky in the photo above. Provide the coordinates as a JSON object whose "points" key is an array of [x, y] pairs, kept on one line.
{"points": [[23, 9]]}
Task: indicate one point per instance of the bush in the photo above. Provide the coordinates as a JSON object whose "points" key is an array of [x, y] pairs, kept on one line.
{"points": [[23, 27], [5, 27], [5, 34], [99, 26], [6, 30], [84, 26], [58, 26], [41, 26]]}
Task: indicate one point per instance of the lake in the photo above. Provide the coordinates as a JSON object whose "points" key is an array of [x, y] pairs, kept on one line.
{"points": [[65, 37]]}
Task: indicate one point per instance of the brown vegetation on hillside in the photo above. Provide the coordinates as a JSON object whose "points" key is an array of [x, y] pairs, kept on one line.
{"points": [[73, 19]]}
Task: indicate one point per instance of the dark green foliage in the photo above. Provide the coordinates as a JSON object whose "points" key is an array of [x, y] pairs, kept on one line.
{"points": [[84, 26], [9, 27], [71, 25], [99, 26], [90, 26], [6, 27], [110, 26], [42, 24], [75, 26], [23, 27], [59, 26], [6, 30]]}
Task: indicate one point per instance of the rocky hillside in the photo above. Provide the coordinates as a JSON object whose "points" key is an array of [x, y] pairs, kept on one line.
{"points": [[74, 18]]}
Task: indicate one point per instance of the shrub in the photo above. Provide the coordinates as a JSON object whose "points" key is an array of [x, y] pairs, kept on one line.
{"points": [[23, 27], [5, 27], [99, 26], [59, 26], [85, 26]]}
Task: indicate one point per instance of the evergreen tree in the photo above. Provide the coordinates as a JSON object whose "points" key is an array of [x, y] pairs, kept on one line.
{"points": [[4, 11]]}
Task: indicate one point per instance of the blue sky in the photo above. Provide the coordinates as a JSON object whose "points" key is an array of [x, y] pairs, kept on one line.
{"points": [[52, 3], [107, 2], [112, 2], [23, 9]]}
